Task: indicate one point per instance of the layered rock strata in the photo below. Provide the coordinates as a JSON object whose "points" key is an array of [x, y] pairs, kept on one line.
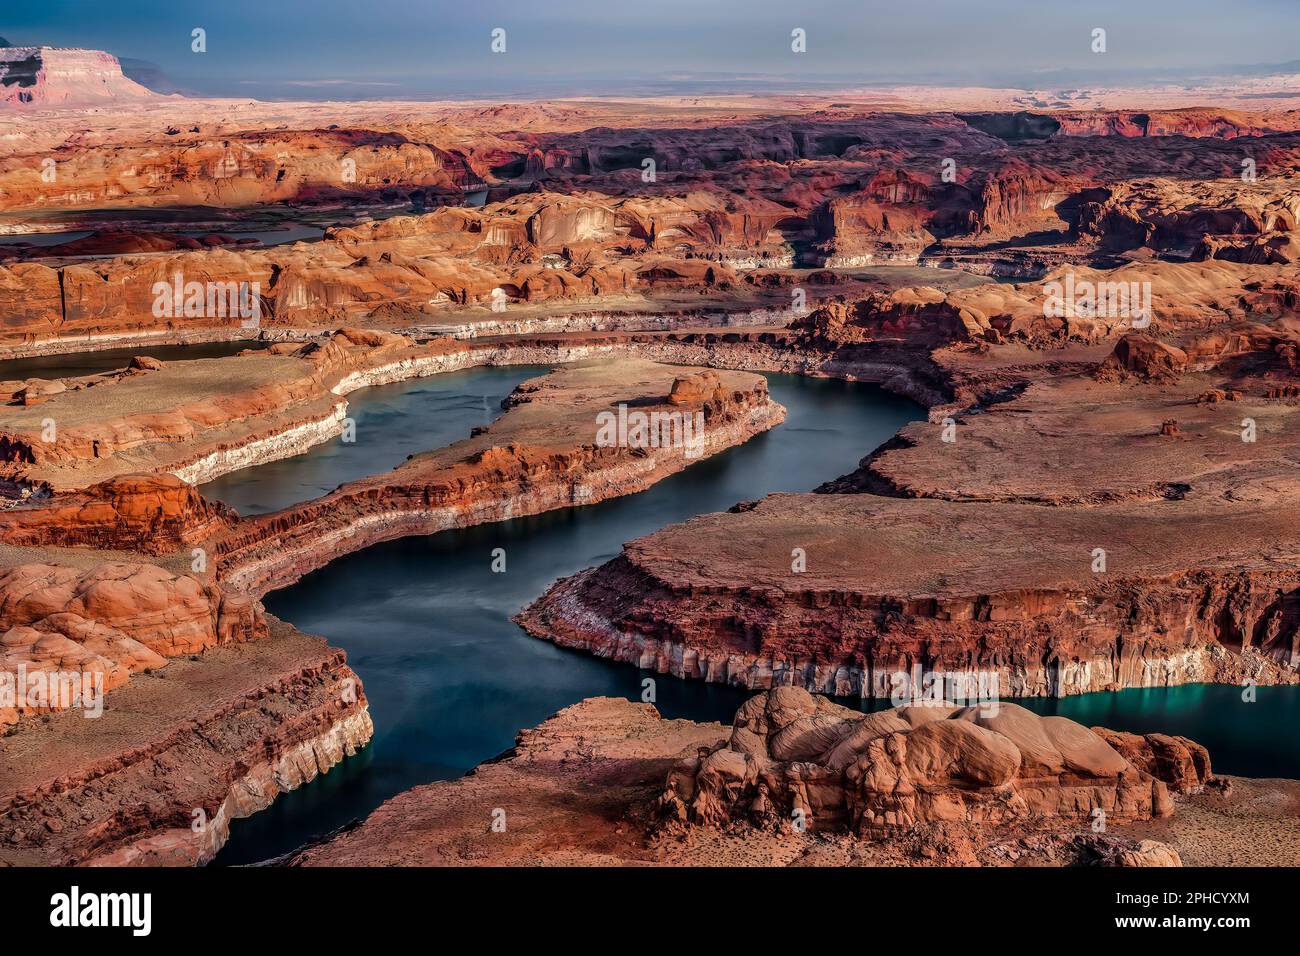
{"points": [[42, 77], [144, 628], [291, 397], [716, 598], [734, 207], [159, 777], [1008, 549], [104, 624], [1089, 508], [155, 514]]}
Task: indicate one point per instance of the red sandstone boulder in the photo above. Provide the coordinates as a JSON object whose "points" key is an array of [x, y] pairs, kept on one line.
{"points": [[1039, 755], [1182, 764], [954, 752], [1270, 249], [1149, 853], [112, 620], [1085, 753], [37, 391], [793, 755], [169, 613], [1145, 358], [696, 388]]}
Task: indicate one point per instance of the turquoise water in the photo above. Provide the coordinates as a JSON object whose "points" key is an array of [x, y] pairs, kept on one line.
{"points": [[1256, 739]]}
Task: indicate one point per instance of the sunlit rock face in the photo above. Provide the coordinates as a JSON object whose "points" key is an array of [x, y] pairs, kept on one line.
{"points": [[37, 76]]}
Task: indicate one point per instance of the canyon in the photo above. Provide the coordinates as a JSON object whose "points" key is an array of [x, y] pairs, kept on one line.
{"points": [[287, 696], [1095, 302]]}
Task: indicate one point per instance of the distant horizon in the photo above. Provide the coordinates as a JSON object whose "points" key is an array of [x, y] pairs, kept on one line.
{"points": [[403, 49]]}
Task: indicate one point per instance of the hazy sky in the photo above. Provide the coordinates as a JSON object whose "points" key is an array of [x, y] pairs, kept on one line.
{"points": [[331, 48]]}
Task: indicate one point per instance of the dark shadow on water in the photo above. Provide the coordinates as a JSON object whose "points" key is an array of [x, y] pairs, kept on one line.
{"points": [[107, 360]]}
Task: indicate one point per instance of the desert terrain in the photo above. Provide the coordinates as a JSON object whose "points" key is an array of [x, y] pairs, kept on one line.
{"points": [[1094, 295]]}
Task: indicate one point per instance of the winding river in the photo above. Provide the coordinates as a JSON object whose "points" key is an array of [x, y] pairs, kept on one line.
{"points": [[451, 679], [426, 623]]}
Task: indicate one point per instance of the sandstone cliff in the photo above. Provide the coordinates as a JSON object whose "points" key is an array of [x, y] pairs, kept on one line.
{"points": [[42, 77], [159, 778]]}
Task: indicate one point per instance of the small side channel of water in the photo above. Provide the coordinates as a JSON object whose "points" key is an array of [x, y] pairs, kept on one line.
{"points": [[107, 360], [392, 422]]}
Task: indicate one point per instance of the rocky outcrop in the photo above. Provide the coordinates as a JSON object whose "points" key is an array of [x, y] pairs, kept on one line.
{"points": [[1145, 358], [798, 760], [886, 221], [1190, 122], [565, 440], [61, 624], [199, 420], [587, 788], [988, 538], [721, 599], [1096, 578], [1182, 764], [169, 613], [166, 420], [697, 389], [570, 221], [156, 514], [1207, 218], [197, 153], [1075, 304]]}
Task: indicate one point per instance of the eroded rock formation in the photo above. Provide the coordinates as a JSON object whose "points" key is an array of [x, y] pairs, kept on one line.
{"points": [[795, 759], [156, 514], [113, 620], [551, 449], [587, 787], [158, 778]]}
